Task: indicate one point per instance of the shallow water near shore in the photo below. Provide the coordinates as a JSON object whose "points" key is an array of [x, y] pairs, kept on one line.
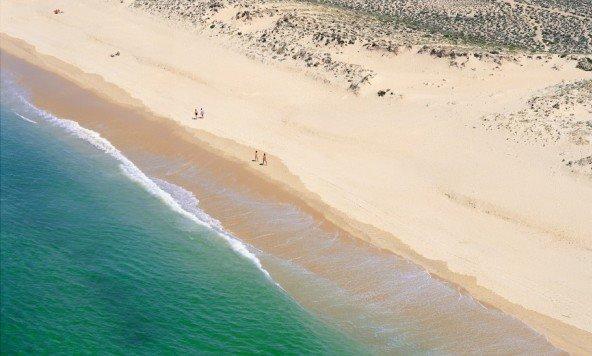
{"points": [[380, 300], [91, 262]]}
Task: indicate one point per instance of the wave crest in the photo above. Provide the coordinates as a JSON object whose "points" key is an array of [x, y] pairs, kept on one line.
{"points": [[186, 207]]}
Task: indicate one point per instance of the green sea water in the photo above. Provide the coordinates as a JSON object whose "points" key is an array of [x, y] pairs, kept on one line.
{"points": [[92, 262]]}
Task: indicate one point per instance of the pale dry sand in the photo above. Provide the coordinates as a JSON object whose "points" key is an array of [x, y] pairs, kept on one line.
{"points": [[415, 172]]}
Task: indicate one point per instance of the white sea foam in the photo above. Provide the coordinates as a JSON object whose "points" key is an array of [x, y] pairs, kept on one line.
{"points": [[187, 208], [26, 118]]}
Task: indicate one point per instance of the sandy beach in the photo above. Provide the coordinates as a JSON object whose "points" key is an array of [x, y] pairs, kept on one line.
{"points": [[477, 169]]}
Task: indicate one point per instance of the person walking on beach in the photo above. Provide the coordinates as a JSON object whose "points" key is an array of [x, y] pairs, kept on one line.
{"points": [[264, 161], [196, 114], [256, 159], [201, 113]]}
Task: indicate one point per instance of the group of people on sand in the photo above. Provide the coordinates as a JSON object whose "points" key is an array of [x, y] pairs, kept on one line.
{"points": [[199, 114], [263, 160]]}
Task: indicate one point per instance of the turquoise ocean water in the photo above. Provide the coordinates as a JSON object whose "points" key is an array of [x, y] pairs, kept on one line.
{"points": [[95, 259]]}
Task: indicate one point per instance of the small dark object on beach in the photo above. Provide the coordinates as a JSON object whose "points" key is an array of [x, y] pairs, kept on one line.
{"points": [[585, 64], [382, 93]]}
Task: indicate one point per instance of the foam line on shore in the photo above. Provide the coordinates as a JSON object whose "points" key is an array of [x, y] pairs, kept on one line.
{"points": [[134, 173], [25, 118]]}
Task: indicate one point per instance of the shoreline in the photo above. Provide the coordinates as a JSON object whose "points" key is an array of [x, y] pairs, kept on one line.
{"points": [[555, 330], [126, 259]]}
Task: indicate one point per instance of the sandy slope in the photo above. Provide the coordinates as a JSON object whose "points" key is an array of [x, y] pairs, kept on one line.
{"points": [[415, 170]]}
